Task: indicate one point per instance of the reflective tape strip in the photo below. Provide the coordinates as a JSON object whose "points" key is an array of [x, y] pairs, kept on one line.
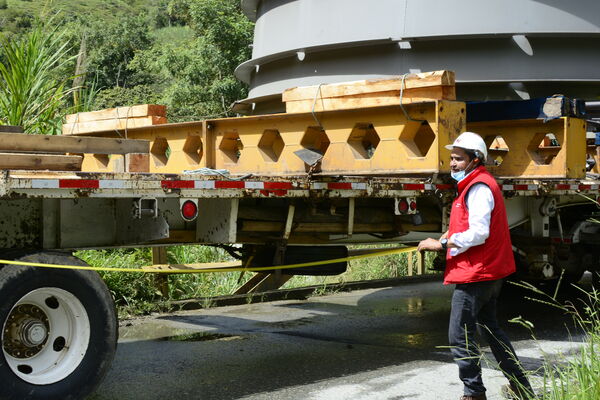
{"points": [[339, 185], [588, 187], [78, 184], [318, 185], [229, 184], [254, 185], [278, 185], [413, 186], [113, 184], [204, 184], [525, 187], [177, 184], [44, 184]]}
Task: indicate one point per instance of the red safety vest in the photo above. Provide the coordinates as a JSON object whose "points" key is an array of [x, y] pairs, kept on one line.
{"points": [[494, 258]]}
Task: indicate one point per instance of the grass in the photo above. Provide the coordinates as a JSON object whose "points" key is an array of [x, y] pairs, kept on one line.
{"points": [[136, 293], [99, 9], [576, 377]]}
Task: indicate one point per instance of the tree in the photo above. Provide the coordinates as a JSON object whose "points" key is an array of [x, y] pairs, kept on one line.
{"points": [[113, 45], [196, 77]]}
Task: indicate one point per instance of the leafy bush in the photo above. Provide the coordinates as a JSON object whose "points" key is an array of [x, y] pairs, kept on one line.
{"points": [[30, 94]]}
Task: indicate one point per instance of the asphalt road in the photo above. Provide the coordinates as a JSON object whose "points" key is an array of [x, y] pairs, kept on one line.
{"points": [[369, 344]]}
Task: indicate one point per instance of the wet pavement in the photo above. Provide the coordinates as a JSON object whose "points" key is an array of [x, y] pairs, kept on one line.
{"points": [[370, 344]]}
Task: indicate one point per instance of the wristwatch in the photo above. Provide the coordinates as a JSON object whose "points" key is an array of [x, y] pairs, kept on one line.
{"points": [[444, 243]]}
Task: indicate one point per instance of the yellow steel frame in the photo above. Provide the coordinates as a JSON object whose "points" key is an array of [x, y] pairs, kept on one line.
{"points": [[529, 151], [368, 141], [378, 140]]}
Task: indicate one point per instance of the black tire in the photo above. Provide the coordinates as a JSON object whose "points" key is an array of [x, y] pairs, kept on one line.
{"points": [[66, 293]]}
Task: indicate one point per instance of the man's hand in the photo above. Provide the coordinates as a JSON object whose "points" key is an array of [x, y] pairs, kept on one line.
{"points": [[430, 245]]}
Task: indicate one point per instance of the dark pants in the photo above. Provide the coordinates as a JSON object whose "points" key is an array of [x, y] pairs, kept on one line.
{"points": [[474, 308]]}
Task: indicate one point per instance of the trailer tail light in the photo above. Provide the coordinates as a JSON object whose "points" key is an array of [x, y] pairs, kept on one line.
{"points": [[189, 209], [407, 205], [413, 206], [402, 206]]}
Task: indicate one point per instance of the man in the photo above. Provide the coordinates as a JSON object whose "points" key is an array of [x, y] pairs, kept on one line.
{"points": [[478, 257]]}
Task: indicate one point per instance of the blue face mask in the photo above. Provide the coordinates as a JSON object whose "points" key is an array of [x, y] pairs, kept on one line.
{"points": [[458, 176]]}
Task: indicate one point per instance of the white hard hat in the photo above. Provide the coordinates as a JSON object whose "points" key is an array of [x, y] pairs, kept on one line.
{"points": [[470, 141]]}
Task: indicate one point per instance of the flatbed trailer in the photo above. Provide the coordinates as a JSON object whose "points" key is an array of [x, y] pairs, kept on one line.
{"points": [[59, 328]]}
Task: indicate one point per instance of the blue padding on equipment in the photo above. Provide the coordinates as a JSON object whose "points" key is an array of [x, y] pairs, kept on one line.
{"points": [[542, 108]]}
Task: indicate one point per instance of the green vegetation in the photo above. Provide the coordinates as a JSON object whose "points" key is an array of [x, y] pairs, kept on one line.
{"points": [[136, 293], [575, 377], [31, 95], [181, 53]]}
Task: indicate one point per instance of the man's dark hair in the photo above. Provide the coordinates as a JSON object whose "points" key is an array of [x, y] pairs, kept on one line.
{"points": [[474, 154]]}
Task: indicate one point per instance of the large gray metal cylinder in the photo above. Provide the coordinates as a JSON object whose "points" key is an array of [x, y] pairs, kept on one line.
{"points": [[499, 49]]}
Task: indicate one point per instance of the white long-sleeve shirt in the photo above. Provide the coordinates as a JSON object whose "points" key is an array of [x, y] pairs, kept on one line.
{"points": [[480, 203]]}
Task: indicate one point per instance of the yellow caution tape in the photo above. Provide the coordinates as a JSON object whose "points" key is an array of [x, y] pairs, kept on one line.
{"points": [[214, 269]]}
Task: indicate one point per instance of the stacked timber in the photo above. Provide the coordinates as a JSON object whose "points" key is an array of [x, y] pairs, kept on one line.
{"points": [[115, 119], [407, 89], [20, 151]]}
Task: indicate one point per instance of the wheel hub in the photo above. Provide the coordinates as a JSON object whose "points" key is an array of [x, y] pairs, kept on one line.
{"points": [[26, 331]]}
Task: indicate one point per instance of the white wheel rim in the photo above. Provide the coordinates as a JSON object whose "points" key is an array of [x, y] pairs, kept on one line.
{"points": [[45, 336]]}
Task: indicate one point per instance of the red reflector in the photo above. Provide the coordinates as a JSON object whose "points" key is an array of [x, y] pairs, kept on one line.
{"points": [[189, 210], [413, 205], [403, 206]]}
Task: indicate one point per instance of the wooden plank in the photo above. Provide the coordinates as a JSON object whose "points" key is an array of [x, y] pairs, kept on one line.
{"points": [[111, 124], [142, 110], [412, 81], [252, 283], [40, 162], [11, 129], [367, 100], [138, 162], [163, 266], [69, 144]]}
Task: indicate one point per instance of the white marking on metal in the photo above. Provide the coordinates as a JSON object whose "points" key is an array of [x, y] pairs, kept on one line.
{"points": [[45, 184], [254, 185], [359, 186], [204, 184], [113, 184]]}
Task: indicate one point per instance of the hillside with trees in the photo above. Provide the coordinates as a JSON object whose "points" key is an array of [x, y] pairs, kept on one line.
{"points": [[99, 54]]}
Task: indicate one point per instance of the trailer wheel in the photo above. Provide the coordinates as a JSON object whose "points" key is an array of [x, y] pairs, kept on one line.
{"points": [[59, 329]]}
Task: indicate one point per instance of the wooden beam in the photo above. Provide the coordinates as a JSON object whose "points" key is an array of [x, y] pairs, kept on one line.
{"points": [[52, 162], [11, 129], [412, 81], [69, 144], [163, 266], [111, 124], [142, 110], [378, 99], [161, 282], [252, 283], [272, 282]]}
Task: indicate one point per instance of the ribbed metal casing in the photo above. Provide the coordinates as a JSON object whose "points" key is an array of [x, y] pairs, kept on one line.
{"points": [[499, 49]]}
